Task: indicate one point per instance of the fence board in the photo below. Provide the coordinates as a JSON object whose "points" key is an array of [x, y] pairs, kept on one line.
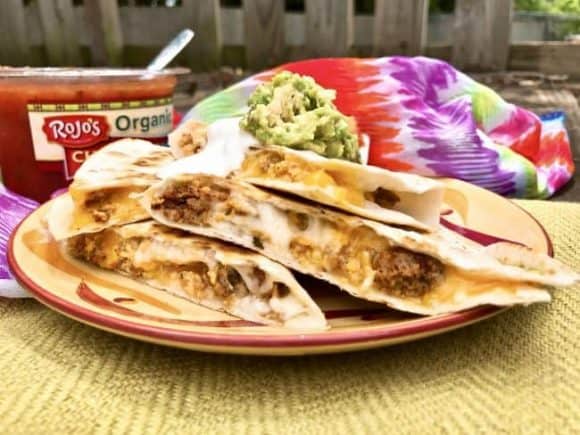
{"points": [[554, 57], [14, 49], [106, 37], [169, 20], [400, 27], [329, 27], [264, 32], [60, 32], [23, 41], [525, 27], [500, 36], [482, 30], [204, 52]]}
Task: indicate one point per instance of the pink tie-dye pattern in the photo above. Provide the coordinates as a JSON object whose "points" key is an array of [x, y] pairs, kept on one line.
{"points": [[419, 114]]}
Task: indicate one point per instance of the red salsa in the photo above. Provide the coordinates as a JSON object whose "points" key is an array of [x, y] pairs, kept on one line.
{"points": [[51, 119]]}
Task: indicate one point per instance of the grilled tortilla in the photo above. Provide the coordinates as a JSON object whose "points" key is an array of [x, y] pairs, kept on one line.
{"points": [[103, 191], [223, 149], [367, 191], [421, 273], [208, 272]]}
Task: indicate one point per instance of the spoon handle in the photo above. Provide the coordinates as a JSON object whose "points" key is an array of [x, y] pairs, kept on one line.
{"points": [[172, 49]]}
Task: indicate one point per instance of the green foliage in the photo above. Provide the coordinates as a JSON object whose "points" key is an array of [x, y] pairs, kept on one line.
{"points": [[550, 6], [558, 30]]}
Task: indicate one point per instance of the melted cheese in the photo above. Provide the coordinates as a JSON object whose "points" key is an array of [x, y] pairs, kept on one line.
{"points": [[120, 201], [160, 259], [294, 169], [315, 247], [458, 285], [322, 241], [276, 221], [225, 152]]}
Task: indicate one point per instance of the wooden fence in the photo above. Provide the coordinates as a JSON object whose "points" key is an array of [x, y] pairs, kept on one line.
{"points": [[261, 33]]}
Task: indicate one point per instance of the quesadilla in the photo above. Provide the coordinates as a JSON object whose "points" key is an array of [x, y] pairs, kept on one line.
{"points": [[367, 191], [208, 272], [224, 149], [421, 273], [103, 191]]}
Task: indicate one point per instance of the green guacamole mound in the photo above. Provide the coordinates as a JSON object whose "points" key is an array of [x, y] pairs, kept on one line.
{"points": [[294, 111]]}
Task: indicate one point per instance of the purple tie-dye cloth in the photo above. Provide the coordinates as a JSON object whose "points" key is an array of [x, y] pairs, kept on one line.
{"points": [[13, 208], [424, 116]]}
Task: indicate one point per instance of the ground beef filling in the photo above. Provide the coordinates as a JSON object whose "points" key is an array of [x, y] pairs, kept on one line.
{"points": [[195, 278], [230, 282], [398, 271], [274, 164], [382, 197], [94, 248], [103, 204], [266, 163], [189, 139], [299, 221], [404, 273], [99, 205], [190, 202], [87, 249]]}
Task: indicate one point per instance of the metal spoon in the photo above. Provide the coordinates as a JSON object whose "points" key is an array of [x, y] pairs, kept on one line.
{"points": [[172, 49]]}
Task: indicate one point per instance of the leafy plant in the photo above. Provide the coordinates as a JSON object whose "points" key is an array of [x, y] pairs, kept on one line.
{"points": [[550, 6]]}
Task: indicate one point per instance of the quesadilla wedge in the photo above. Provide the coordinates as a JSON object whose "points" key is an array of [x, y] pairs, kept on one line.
{"points": [[214, 274], [223, 149], [421, 273], [104, 188], [366, 191]]}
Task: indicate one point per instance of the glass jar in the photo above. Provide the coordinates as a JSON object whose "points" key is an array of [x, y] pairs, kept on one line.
{"points": [[51, 119]]}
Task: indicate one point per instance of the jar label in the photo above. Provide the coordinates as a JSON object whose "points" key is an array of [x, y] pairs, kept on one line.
{"points": [[70, 132]]}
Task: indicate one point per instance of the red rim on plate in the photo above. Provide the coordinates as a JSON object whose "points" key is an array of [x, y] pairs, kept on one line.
{"points": [[409, 328]]}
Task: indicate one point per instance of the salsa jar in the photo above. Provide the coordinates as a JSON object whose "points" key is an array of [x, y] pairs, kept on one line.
{"points": [[51, 119]]}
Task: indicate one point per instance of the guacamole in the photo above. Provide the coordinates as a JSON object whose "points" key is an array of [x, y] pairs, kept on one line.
{"points": [[294, 111]]}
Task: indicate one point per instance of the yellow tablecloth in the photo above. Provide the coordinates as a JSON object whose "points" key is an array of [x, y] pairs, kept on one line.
{"points": [[517, 373]]}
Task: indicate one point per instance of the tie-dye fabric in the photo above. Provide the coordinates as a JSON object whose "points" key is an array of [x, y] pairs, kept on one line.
{"points": [[13, 208], [424, 116]]}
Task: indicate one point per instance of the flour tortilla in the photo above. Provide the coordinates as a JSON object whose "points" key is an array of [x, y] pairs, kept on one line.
{"points": [[262, 221], [211, 273], [103, 192], [343, 184], [223, 149]]}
